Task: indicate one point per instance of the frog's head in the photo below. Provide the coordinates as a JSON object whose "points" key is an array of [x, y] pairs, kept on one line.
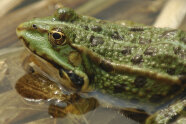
{"points": [[51, 39]]}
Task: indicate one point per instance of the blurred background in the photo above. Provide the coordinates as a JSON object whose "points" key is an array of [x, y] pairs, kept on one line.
{"points": [[13, 12], [13, 110]]}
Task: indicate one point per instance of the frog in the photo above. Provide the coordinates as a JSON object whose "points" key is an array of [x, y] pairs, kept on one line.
{"points": [[138, 63]]}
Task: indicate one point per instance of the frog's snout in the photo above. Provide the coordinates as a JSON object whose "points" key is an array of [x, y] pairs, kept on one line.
{"points": [[20, 29]]}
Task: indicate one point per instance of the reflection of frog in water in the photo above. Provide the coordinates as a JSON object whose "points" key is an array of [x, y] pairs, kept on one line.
{"points": [[139, 63], [36, 87]]}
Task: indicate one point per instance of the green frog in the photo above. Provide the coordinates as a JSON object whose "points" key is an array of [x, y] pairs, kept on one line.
{"points": [[143, 64]]}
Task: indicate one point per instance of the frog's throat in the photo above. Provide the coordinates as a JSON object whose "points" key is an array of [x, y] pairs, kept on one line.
{"points": [[121, 68]]}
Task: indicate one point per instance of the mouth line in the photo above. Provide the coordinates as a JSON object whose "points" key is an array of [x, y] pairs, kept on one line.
{"points": [[24, 42]]}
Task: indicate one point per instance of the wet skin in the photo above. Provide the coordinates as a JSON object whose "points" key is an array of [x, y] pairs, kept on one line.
{"points": [[133, 62]]}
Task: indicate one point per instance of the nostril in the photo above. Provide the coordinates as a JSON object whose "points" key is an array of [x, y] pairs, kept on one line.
{"points": [[34, 26]]}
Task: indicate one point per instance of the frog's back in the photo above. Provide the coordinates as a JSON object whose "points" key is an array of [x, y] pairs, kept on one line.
{"points": [[133, 62], [159, 49]]}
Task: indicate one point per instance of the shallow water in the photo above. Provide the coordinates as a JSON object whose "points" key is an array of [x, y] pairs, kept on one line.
{"points": [[18, 109]]}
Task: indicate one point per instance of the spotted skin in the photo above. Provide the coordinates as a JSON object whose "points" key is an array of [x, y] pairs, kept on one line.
{"points": [[142, 63]]}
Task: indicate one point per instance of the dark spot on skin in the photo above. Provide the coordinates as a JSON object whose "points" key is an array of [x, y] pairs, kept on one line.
{"points": [[171, 71], [86, 27], [156, 98], [96, 28], [73, 37], [119, 88], [34, 26], [91, 78], [144, 41], [174, 88], [140, 81], [177, 50], [116, 36], [126, 51], [150, 51], [135, 29], [106, 66], [96, 40], [137, 59], [134, 100], [183, 79], [173, 119], [76, 80]]}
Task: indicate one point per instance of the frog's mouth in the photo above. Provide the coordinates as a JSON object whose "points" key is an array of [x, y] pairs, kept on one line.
{"points": [[40, 46]]}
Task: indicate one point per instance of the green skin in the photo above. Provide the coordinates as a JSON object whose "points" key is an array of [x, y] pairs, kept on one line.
{"points": [[175, 113], [132, 62]]}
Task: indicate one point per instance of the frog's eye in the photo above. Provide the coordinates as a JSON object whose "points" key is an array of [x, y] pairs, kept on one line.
{"points": [[57, 38]]}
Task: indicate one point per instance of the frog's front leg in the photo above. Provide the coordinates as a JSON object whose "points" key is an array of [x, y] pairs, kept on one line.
{"points": [[175, 113]]}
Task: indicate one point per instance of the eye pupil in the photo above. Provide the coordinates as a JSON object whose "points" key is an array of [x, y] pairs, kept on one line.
{"points": [[56, 35]]}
